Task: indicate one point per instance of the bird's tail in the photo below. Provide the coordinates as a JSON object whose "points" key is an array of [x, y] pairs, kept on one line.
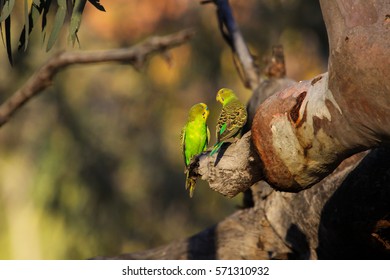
{"points": [[190, 185], [216, 148]]}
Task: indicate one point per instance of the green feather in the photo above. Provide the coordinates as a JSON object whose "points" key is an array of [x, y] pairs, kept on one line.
{"points": [[223, 128], [216, 148]]}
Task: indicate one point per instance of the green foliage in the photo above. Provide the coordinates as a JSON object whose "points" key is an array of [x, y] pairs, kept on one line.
{"points": [[75, 21], [58, 22], [39, 10], [6, 8]]}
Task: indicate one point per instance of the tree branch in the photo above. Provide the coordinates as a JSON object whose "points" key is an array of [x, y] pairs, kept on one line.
{"points": [[43, 77], [244, 62], [232, 170]]}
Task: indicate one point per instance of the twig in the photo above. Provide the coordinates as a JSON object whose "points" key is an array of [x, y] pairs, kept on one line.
{"points": [[230, 31], [43, 77]]}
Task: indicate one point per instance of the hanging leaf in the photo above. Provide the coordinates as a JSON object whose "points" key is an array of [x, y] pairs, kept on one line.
{"points": [[7, 9], [1, 27], [58, 23], [1, 7], [26, 24], [97, 5], [35, 11], [8, 38], [46, 8], [75, 20], [2, 35]]}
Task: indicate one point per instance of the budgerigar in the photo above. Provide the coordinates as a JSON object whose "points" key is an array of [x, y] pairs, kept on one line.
{"points": [[232, 118], [194, 139]]}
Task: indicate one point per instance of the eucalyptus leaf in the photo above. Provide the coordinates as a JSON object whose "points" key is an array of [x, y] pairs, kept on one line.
{"points": [[26, 24], [1, 33], [7, 9], [75, 20], [58, 23], [8, 38], [38, 10], [46, 9], [97, 5], [33, 16]]}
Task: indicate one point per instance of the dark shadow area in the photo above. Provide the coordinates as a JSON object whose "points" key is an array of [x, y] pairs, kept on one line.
{"points": [[355, 221], [221, 152], [247, 200], [301, 245], [202, 245]]}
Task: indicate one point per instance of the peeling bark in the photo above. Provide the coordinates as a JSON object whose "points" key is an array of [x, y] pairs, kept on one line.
{"points": [[298, 134]]}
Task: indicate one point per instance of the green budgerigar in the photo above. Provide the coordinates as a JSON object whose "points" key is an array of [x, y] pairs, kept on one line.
{"points": [[232, 118], [194, 139]]}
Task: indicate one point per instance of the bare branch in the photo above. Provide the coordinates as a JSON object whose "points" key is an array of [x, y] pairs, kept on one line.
{"points": [[230, 31], [43, 77]]}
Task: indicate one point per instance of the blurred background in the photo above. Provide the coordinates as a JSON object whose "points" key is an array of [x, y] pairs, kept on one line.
{"points": [[93, 166]]}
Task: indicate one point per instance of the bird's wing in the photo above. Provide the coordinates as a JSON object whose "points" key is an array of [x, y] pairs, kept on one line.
{"points": [[232, 119]]}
